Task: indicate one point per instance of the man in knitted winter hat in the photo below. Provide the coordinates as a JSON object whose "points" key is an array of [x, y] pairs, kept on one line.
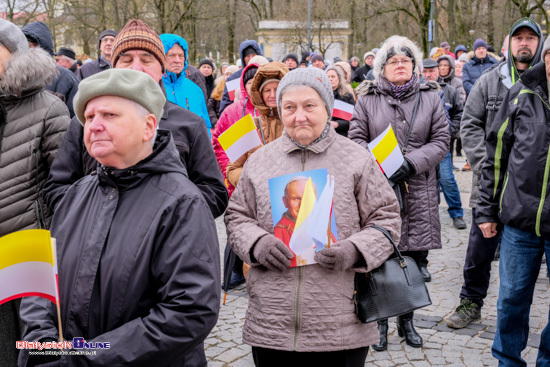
{"points": [[139, 48], [140, 252], [477, 65], [103, 61]]}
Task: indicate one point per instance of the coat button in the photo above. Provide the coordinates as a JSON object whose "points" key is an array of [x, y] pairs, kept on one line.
{"points": [[111, 197]]}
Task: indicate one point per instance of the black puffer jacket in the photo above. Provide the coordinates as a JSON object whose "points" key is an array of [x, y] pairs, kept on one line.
{"points": [[66, 83], [30, 134], [192, 142], [139, 266], [515, 176]]}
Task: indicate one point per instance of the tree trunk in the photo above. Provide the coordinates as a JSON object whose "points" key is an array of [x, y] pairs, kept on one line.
{"points": [[231, 32], [490, 24]]}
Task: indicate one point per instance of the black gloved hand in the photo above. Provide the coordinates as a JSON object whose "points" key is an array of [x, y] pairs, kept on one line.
{"points": [[403, 173]]}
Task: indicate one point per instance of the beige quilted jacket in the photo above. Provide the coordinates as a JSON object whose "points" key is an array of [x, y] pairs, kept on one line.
{"points": [[309, 308]]}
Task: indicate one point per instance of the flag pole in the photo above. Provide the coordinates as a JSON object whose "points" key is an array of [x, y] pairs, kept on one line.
{"points": [[59, 321]]}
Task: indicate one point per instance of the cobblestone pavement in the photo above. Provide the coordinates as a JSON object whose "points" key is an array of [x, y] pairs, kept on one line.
{"points": [[442, 346]]}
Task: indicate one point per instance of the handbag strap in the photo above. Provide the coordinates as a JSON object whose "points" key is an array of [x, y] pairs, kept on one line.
{"points": [[388, 235], [416, 103]]}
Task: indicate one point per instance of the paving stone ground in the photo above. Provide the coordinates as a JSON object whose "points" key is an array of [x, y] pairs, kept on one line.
{"points": [[442, 346]]}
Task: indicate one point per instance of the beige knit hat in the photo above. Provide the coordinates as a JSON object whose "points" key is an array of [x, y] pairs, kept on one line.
{"points": [[136, 35], [126, 83]]}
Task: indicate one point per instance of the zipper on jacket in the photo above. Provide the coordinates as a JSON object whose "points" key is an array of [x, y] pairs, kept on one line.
{"points": [[502, 193], [543, 193], [498, 155], [546, 169], [297, 321], [303, 159]]}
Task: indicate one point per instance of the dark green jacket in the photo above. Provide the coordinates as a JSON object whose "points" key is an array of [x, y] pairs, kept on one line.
{"points": [[514, 183]]}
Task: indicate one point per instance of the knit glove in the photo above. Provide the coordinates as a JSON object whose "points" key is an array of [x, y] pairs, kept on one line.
{"points": [[272, 253], [403, 173], [339, 257]]}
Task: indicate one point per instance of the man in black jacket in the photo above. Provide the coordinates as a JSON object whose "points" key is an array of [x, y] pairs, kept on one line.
{"points": [[103, 61], [362, 72], [65, 85], [188, 129], [514, 192], [136, 242]]}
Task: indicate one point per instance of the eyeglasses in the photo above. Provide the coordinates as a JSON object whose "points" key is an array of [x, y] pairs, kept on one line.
{"points": [[404, 62]]}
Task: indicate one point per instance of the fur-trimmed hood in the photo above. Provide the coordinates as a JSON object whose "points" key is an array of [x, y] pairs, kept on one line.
{"points": [[27, 73], [372, 87]]}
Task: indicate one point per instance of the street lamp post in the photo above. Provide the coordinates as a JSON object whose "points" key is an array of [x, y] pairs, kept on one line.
{"points": [[471, 31], [309, 27]]}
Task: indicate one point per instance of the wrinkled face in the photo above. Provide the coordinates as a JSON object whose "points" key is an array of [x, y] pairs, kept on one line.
{"points": [[175, 59], [398, 69], [269, 94], [444, 68], [290, 63], [431, 74], [547, 65], [446, 50], [4, 56], [318, 64], [141, 61], [524, 45], [293, 197], [458, 69], [116, 133], [334, 80], [480, 52], [106, 46], [355, 63], [206, 70], [304, 114], [369, 60], [62, 61]]}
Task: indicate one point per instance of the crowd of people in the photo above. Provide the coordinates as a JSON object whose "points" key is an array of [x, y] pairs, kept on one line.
{"points": [[120, 158]]}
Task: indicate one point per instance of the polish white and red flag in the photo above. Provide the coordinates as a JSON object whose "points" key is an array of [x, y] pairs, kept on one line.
{"points": [[342, 110], [232, 86]]}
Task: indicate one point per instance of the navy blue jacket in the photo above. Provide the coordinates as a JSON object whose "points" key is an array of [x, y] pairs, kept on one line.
{"points": [[225, 99], [473, 70]]}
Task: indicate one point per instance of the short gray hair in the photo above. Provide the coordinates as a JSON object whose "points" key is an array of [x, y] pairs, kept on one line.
{"points": [[142, 112], [399, 44]]}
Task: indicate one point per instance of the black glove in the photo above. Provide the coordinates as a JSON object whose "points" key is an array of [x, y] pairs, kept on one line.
{"points": [[403, 173], [272, 253]]}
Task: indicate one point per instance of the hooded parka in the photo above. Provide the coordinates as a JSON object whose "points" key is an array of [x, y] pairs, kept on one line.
{"points": [[139, 267], [515, 175], [230, 115], [30, 134], [179, 89], [451, 79], [308, 308], [271, 124], [428, 145]]}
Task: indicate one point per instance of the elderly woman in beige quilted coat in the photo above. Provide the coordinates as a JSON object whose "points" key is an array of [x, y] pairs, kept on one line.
{"points": [[305, 315]]}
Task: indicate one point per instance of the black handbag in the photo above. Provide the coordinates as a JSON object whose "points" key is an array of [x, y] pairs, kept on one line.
{"points": [[393, 289]]}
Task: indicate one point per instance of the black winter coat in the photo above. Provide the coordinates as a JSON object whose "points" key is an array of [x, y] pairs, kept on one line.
{"points": [[515, 176], [91, 68], [139, 266], [192, 142], [66, 83]]}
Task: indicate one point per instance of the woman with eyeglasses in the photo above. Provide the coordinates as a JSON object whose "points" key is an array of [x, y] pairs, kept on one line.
{"points": [[391, 99]]}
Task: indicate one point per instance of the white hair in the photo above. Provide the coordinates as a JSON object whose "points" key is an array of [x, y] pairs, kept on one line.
{"points": [[399, 44], [142, 112]]}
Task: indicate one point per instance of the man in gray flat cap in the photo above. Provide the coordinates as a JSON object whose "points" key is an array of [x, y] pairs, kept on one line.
{"points": [[137, 245]]}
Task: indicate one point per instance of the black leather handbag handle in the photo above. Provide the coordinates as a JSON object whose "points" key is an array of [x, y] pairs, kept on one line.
{"points": [[388, 235]]}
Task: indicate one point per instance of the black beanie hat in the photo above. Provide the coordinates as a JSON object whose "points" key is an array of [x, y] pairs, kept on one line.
{"points": [[206, 62]]}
